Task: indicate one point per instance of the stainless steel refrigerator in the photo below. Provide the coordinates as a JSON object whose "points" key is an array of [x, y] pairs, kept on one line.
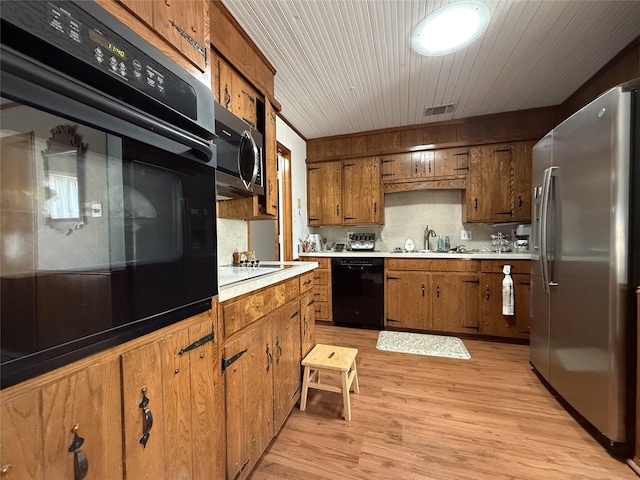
{"points": [[585, 263]]}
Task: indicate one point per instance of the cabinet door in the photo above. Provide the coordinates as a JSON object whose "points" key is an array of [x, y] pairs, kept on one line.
{"points": [[307, 323], [286, 361], [454, 302], [324, 193], [91, 400], [396, 167], [489, 189], [191, 18], [407, 300], [142, 375], [207, 407], [522, 182], [362, 188], [20, 438], [187, 15], [143, 9], [249, 399], [451, 162], [271, 160], [492, 321], [422, 165]]}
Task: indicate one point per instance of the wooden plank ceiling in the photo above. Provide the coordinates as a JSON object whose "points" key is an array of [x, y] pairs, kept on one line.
{"points": [[346, 66]]}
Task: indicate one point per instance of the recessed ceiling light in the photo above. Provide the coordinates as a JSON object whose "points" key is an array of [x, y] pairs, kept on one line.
{"points": [[450, 28]]}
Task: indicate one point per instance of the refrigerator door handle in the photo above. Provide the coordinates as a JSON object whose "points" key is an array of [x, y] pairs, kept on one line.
{"points": [[544, 217]]}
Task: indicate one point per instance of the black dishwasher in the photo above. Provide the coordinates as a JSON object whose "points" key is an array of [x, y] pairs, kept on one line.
{"points": [[358, 292]]}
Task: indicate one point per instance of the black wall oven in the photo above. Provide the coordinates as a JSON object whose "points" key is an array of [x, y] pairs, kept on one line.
{"points": [[107, 187]]}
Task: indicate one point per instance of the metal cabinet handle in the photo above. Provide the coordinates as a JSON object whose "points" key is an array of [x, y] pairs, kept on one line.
{"points": [[279, 350], [487, 293], [5, 469], [438, 291], [269, 358], [476, 205], [423, 289], [147, 418], [80, 461]]}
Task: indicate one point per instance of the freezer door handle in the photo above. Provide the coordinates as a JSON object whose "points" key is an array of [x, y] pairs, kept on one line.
{"points": [[544, 220]]}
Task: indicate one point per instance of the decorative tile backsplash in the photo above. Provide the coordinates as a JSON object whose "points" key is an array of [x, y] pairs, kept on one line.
{"points": [[406, 215], [232, 236]]}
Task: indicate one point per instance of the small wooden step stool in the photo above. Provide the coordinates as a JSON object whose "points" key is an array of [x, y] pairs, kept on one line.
{"points": [[330, 358]]}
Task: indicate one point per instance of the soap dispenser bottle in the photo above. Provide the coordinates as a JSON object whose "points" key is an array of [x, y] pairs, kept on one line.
{"points": [[440, 244]]}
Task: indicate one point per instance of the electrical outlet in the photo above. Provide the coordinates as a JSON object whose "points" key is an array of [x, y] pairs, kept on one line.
{"points": [[299, 203], [465, 234]]}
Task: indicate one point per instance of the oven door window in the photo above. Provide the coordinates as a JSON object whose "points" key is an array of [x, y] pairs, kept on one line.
{"points": [[99, 233]]}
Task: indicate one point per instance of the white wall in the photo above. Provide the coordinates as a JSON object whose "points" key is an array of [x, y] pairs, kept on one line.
{"points": [[298, 148]]}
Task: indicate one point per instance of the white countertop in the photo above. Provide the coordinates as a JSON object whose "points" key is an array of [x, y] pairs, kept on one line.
{"points": [[236, 281], [468, 255]]}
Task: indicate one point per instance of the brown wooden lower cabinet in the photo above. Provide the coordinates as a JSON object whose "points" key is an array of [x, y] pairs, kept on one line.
{"points": [[322, 288], [248, 398], [100, 398], [178, 391], [455, 296], [38, 426], [261, 361], [454, 306], [262, 384], [493, 322], [307, 323], [407, 297]]}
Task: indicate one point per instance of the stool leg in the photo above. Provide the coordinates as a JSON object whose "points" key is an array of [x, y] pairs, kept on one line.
{"points": [[356, 387], [305, 389], [345, 396]]}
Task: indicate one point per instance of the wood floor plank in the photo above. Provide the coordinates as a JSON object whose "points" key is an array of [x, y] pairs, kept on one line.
{"points": [[420, 417]]}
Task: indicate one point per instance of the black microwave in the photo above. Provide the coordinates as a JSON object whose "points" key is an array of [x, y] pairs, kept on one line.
{"points": [[240, 171]]}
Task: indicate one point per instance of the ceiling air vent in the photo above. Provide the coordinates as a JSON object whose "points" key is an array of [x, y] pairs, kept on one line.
{"points": [[439, 110]]}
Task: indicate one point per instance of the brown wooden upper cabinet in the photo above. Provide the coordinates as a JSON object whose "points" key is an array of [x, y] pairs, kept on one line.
{"points": [[174, 21], [499, 183], [236, 95], [347, 192], [443, 168]]}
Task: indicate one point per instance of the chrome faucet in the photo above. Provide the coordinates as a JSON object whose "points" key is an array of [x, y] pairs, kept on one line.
{"points": [[428, 233]]}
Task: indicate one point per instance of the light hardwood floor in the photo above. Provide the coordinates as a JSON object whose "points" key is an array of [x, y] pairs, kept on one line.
{"points": [[420, 417]]}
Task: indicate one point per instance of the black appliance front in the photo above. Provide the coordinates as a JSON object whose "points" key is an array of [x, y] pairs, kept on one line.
{"points": [[239, 156], [357, 286], [107, 194]]}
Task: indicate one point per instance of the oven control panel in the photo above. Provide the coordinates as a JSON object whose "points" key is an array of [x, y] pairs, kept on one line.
{"points": [[89, 45]]}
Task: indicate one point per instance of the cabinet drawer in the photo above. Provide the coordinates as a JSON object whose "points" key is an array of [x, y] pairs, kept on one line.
{"points": [[280, 294], [322, 311], [321, 277], [306, 282], [495, 266], [433, 265], [321, 293], [323, 262], [237, 315]]}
